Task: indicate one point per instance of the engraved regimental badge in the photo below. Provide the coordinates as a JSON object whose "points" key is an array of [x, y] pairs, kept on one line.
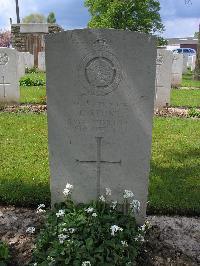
{"points": [[3, 59], [100, 72]]}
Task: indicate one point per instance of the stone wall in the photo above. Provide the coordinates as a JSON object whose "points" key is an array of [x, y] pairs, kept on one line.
{"points": [[26, 39]]}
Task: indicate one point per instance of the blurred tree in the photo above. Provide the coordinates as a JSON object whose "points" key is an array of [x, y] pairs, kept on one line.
{"points": [[34, 18], [5, 38], [51, 18], [134, 15]]}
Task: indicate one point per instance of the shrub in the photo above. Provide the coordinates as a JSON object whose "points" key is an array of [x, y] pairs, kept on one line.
{"points": [[31, 70], [99, 233], [27, 81], [4, 254], [194, 113]]}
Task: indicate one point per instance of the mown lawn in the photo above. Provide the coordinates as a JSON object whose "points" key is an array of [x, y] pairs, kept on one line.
{"points": [[175, 166], [33, 95], [189, 82], [185, 98]]}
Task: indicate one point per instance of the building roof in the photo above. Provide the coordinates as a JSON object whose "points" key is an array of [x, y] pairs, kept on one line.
{"points": [[184, 40]]}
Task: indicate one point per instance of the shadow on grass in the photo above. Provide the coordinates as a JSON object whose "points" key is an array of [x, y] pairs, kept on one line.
{"points": [[19, 193], [175, 185]]}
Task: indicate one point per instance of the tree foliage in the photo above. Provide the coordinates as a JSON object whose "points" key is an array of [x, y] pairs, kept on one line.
{"points": [[51, 18], [134, 15], [34, 18], [5, 38]]}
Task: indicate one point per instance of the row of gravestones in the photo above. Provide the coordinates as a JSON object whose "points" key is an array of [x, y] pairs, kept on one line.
{"points": [[188, 62], [101, 91], [13, 64], [12, 67]]}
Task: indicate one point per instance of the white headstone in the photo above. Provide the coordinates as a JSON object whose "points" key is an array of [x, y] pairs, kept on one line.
{"points": [[28, 59], [163, 77], [192, 62], [100, 90], [185, 63], [177, 68], [9, 83], [41, 61], [21, 64]]}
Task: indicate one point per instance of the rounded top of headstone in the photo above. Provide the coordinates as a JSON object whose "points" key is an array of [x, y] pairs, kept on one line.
{"points": [[3, 58]]}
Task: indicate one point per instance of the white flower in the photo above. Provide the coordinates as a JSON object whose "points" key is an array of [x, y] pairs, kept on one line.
{"points": [[30, 230], [139, 238], [114, 229], [71, 230], [68, 189], [35, 264], [60, 213], [51, 260], [86, 263], [89, 210], [62, 238], [40, 208], [69, 186], [102, 198], [94, 214], [128, 194], [135, 205], [114, 205], [124, 243], [108, 192]]}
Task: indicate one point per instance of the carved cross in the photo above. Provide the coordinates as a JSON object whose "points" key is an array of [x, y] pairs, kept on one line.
{"points": [[98, 163], [4, 86]]}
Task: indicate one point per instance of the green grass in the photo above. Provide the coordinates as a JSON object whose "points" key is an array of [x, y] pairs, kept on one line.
{"points": [[35, 76], [189, 82], [185, 98], [175, 166], [33, 95], [23, 159]]}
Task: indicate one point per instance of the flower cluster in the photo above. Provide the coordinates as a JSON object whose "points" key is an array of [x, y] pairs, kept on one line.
{"points": [[40, 208], [60, 213], [86, 263], [68, 189], [114, 229], [128, 194]]}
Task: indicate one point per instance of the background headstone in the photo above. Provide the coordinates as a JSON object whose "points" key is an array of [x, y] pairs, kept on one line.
{"points": [[185, 63], [9, 82], [28, 59], [100, 91], [21, 64], [191, 62], [177, 68], [163, 77], [41, 61]]}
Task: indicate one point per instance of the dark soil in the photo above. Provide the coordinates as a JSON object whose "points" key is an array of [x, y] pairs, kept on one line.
{"points": [[171, 241]]}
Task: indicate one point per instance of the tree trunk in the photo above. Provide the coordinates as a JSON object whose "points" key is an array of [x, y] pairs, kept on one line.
{"points": [[197, 67], [17, 11]]}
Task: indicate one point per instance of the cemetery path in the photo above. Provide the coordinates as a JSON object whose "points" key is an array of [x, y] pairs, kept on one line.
{"points": [[171, 240]]}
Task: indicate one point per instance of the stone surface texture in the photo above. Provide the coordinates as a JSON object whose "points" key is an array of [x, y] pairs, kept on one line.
{"points": [[9, 76], [100, 97], [163, 77]]}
